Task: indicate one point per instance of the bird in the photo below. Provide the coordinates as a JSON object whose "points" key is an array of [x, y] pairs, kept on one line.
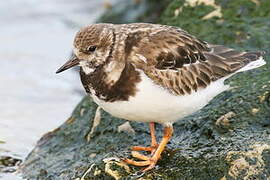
{"points": [[153, 73]]}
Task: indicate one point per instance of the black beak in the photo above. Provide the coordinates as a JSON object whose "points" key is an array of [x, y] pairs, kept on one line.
{"points": [[73, 61]]}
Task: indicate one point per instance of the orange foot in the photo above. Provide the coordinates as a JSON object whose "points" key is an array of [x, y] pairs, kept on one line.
{"points": [[156, 151], [151, 149]]}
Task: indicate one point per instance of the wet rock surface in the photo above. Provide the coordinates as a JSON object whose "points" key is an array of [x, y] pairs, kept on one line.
{"points": [[228, 139]]}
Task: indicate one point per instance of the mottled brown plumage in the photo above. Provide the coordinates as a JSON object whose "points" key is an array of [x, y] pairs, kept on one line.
{"points": [[153, 73], [168, 55]]}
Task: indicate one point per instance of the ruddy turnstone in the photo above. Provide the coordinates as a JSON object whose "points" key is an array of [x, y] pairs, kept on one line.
{"points": [[153, 73]]}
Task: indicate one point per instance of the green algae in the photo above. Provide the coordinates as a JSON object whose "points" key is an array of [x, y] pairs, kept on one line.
{"points": [[242, 23]]}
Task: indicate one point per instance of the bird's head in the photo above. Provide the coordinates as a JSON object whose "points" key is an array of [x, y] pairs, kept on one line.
{"points": [[92, 47]]}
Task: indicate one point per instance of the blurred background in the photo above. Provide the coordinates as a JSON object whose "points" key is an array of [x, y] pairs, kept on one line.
{"points": [[36, 39]]}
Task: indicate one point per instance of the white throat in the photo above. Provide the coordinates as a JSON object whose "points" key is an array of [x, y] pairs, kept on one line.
{"points": [[86, 69]]}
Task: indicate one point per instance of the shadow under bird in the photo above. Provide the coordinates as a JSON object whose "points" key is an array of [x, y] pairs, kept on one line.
{"points": [[153, 73]]}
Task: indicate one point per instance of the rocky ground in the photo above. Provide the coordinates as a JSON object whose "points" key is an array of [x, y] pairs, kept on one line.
{"points": [[228, 139]]}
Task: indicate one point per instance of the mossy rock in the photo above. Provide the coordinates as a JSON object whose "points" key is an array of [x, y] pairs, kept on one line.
{"points": [[241, 23], [228, 139]]}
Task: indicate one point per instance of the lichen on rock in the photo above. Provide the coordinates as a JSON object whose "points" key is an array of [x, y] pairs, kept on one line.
{"points": [[249, 164]]}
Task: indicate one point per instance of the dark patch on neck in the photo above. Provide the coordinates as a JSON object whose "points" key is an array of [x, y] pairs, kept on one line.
{"points": [[121, 90]]}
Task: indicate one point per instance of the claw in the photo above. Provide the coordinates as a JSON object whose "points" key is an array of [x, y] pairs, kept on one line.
{"points": [[141, 148], [150, 162], [138, 155], [137, 163]]}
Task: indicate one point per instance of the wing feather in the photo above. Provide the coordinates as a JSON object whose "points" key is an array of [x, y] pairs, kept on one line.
{"points": [[182, 63]]}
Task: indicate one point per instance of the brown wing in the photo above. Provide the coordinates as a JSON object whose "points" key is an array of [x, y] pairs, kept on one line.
{"points": [[182, 63]]}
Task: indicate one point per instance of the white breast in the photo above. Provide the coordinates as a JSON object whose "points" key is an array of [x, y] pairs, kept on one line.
{"points": [[152, 103]]}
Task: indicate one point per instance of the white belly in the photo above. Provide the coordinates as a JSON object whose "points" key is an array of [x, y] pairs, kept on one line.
{"points": [[152, 103]]}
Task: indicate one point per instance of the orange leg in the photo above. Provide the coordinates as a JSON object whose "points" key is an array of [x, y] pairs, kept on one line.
{"points": [[153, 134], [151, 161], [154, 144]]}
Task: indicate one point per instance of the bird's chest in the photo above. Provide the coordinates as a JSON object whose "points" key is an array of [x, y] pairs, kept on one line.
{"points": [[152, 103], [96, 85]]}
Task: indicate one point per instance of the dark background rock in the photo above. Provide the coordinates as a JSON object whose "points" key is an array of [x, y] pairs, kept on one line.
{"points": [[228, 139]]}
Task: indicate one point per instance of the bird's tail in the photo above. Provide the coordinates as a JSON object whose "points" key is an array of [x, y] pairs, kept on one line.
{"points": [[238, 61], [255, 60]]}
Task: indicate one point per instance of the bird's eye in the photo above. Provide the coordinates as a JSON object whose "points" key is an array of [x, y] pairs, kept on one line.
{"points": [[91, 48]]}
